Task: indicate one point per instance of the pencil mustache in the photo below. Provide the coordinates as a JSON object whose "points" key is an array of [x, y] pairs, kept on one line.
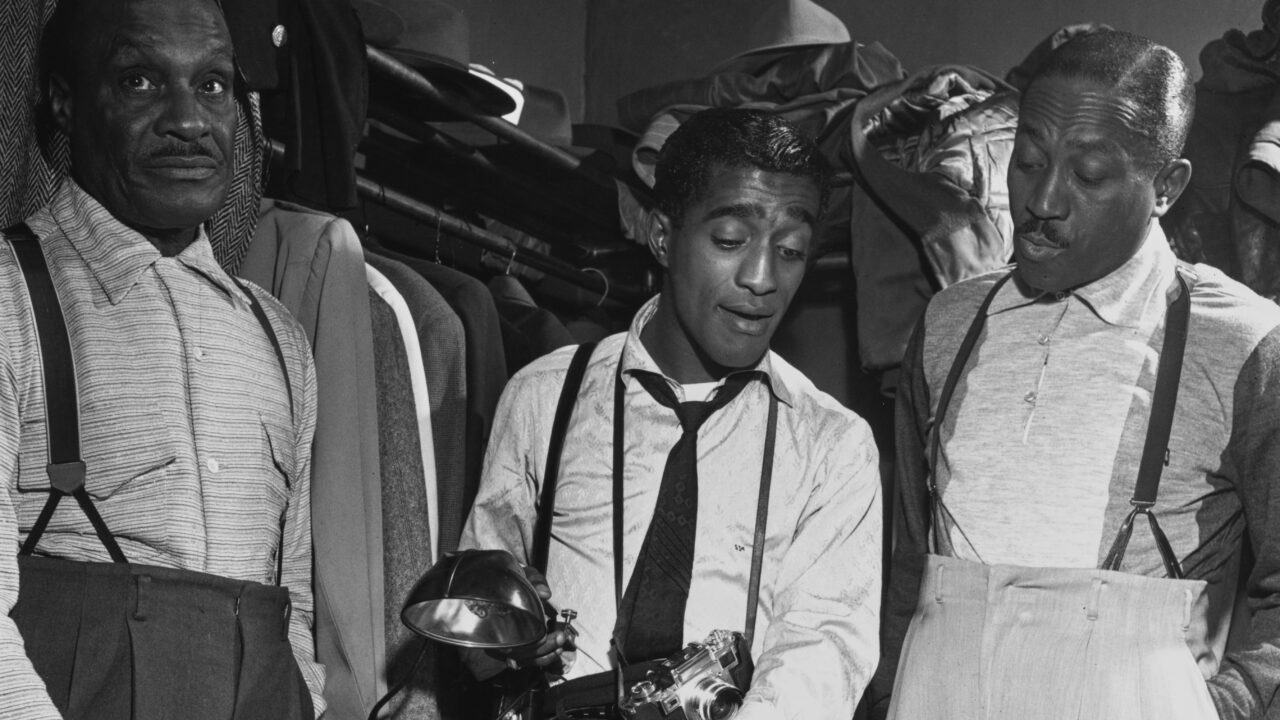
{"points": [[179, 149], [1043, 229]]}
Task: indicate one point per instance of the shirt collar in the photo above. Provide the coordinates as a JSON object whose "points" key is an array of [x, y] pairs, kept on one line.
{"points": [[636, 357], [116, 255], [1131, 296]]}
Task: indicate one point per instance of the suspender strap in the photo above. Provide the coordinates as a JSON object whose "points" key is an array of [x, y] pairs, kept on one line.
{"points": [[66, 469], [1156, 450], [941, 538], [261, 315], [550, 476]]}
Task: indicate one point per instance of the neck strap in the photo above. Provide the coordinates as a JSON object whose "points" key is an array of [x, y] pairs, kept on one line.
{"points": [[762, 502]]}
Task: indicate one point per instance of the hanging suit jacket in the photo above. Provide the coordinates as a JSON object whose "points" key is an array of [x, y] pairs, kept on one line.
{"points": [[312, 262], [486, 371]]}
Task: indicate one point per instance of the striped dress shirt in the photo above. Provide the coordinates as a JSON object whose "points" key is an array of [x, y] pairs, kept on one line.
{"points": [[193, 451]]}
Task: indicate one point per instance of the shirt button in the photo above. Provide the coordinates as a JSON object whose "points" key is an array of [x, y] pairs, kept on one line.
{"points": [[212, 464], [1059, 296], [199, 353], [1043, 339], [279, 35], [1030, 396]]}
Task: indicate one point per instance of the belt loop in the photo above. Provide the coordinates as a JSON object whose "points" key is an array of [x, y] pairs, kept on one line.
{"points": [[1188, 603], [142, 586], [937, 584], [1095, 597]]}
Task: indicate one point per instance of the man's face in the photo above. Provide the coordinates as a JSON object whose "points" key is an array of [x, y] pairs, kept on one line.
{"points": [[733, 265], [1081, 194], [151, 115]]}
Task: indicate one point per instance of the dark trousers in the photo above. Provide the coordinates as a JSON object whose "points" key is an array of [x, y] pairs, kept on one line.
{"points": [[116, 641]]}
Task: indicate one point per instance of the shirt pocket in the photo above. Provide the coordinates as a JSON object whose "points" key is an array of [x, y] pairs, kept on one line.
{"points": [[278, 459], [135, 452]]}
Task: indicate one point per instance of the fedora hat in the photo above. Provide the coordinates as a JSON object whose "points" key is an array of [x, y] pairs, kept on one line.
{"points": [[787, 24], [433, 37]]}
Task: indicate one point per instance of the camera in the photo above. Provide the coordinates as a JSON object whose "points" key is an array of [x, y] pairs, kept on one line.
{"points": [[704, 681]]}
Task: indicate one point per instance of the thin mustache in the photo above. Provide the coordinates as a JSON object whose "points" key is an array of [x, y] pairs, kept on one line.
{"points": [[1043, 229], [184, 150]]}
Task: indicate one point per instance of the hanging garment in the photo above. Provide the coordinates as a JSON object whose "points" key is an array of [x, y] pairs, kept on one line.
{"points": [[321, 89], [419, 395], [528, 331], [406, 534], [441, 340], [1228, 216], [312, 262], [486, 368]]}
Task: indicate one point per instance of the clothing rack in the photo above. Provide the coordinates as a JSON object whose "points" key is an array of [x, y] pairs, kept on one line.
{"points": [[590, 279], [413, 81]]}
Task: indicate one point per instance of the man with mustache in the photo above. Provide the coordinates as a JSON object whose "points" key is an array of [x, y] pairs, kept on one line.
{"points": [[682, 426], [176, 409], [1088, 445]]}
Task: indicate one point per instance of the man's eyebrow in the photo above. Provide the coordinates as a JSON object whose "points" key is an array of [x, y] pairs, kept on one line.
{"points": [[1099, 146], [754, 210]]}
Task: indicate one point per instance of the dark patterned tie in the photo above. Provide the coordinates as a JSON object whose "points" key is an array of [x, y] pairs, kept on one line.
{"points": [[651, 618]]}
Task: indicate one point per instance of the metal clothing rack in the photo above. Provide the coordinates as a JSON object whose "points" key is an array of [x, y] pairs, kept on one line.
{"points": [[590, 279]]}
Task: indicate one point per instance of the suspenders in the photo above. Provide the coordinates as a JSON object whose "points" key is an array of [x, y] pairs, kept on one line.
{"points": [[560, 426], [1164, 398], [66, 469]]}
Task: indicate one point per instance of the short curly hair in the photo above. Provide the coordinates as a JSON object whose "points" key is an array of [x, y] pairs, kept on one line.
{"points": [[732, 138]]}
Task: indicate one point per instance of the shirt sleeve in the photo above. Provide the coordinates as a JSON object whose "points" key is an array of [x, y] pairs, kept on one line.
{"points": [[505, 509], [22, 692], [910, 511], [821, 647], [295, 544], [1249, 675]]}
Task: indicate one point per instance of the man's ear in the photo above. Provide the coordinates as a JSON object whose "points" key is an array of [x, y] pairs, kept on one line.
{"points": [[60, 102], [1169, 184], [658, 234]]}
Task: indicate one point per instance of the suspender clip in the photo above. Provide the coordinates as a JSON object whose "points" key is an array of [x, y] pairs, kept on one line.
{"points": [[66, 477]]}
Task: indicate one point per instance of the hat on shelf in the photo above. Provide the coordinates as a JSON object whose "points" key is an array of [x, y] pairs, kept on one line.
{"points": [[434, 38], [790, 24]]}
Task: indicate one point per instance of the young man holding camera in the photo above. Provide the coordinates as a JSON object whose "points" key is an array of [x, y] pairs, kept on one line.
{"points": [[679, 491]]}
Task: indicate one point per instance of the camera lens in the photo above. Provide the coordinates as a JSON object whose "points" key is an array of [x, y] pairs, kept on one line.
{"points": [[715, 699]]}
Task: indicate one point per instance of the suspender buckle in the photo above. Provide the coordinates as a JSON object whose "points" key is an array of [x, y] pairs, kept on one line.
{"points": [[66, 477], [1142, 505]]}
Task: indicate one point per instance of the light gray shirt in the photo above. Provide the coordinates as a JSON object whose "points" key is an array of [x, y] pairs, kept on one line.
{"points": [[816, 635]]}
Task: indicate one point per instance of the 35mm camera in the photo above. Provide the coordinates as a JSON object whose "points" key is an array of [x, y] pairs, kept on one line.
{"points": [[704, 681]]}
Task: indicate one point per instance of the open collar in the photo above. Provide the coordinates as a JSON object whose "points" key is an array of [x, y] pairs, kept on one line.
{"points": [[1132, 296], [117, 256], [636, 357]]}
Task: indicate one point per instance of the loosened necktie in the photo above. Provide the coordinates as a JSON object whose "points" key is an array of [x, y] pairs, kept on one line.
{"points": [[651, 617]]}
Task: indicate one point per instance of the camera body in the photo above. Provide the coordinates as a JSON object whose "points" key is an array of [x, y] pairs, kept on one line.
{"points": [[704, 681]]}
